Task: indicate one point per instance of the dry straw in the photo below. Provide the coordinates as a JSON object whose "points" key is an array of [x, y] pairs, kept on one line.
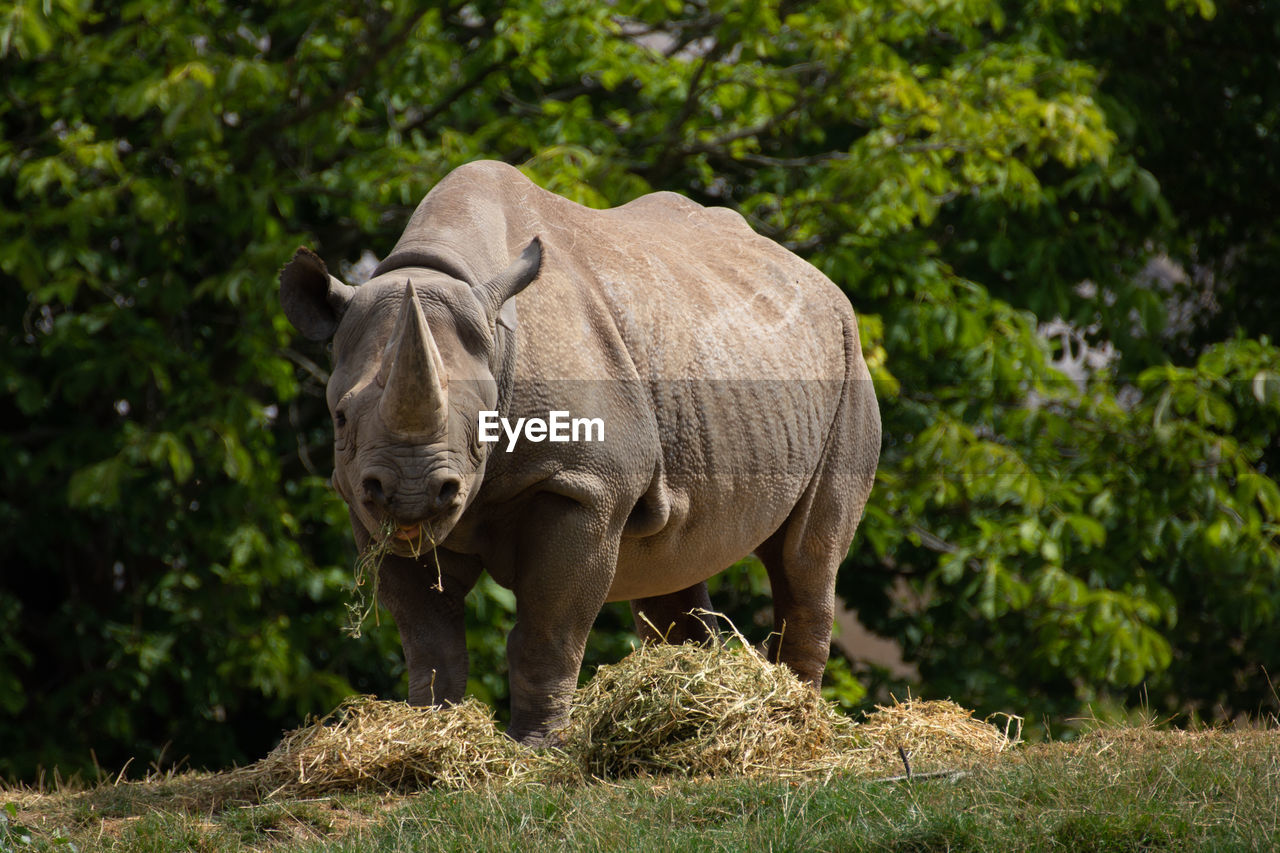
{"points": [[725, 710], [369, 565], [371, 745], [937, 733], [686, 710], [695, 711]]}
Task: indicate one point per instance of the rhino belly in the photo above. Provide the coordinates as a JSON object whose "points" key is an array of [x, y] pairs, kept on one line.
{"points": [[738, 457], [682, 557]]}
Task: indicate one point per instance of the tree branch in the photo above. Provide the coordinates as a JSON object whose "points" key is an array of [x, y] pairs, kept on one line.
{"points": [[452, 97], [372, 58]]}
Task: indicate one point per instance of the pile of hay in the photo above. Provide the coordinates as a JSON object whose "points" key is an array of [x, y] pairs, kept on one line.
{"points": [[696, 711], [935, 734], [664, 710], [693, 711], [370, 745]]}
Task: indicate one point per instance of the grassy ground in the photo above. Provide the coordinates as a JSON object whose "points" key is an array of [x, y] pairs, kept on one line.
{"points": [[1115, 789]]}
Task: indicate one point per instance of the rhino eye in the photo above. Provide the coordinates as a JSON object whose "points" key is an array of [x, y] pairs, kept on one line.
{"points": [[340, 419]]}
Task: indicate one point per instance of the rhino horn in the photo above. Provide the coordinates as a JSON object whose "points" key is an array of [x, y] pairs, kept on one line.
{"points": [[414, 395]]}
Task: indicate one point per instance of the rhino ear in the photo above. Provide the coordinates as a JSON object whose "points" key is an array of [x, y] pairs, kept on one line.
{"points": [[495, 292], [313, 300]]}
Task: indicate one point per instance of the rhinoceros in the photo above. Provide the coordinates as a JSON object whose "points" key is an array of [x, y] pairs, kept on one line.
{"points": [[726, 375]]}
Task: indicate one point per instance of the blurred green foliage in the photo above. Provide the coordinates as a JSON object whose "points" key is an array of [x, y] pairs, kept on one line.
{"points": [[174, 564]]}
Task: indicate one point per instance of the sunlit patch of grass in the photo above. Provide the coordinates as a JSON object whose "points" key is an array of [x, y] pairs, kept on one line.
{"points": [[1119, 788], [687, 748]]}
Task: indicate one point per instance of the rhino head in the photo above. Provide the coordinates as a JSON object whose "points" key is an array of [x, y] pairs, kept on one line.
{"points": [[417, 355]]}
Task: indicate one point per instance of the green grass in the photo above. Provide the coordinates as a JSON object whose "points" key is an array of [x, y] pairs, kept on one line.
{"points": [[1115, 790]]}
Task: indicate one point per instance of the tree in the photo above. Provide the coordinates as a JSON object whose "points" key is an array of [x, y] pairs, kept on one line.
{"points": [[176, 569], [1193, 531]]}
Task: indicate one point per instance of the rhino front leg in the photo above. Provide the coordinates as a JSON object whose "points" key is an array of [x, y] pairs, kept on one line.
{"points": [[564, 572], [431, 623]]}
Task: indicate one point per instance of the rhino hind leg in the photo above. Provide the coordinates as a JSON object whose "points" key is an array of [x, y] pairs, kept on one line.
{"points": [[675, 618], [802, 582], [802, 557]]}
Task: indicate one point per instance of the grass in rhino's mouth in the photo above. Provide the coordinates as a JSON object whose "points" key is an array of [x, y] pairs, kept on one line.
{"points": [[369, 563], [415, 548]]}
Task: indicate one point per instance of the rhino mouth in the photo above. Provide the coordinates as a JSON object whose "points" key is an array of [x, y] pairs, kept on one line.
{"points": [[418, 538], [409, 532], [411, 540]]}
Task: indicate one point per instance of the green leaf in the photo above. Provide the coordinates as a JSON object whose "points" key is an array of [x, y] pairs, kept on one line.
{"points": [[97, 485], [1090, 532]]}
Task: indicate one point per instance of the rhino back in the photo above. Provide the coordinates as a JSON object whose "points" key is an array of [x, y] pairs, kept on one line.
{"points": [[688, 289]]}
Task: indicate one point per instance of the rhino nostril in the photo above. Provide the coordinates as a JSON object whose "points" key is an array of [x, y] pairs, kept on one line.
{"points": [[448, 494], [373, 491]]}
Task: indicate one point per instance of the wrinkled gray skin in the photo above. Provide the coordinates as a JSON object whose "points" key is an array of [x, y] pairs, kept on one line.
{"points": [[739, 416]]}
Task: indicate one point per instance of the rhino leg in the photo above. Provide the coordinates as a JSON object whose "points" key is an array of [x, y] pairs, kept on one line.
{"points": [[568, 555], [803, 555], [673, 618], [802, 578], [430, 621]]}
